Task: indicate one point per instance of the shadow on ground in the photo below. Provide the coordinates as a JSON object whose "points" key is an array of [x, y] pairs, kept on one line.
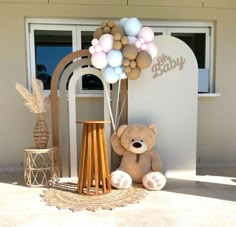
{"points": [[221, 191], [13, 178]]}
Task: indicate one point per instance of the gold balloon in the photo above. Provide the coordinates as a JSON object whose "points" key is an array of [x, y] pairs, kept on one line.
{"points": [[117, 45], [133, 64], [110, 24], [125, 62], [117, 29], [130, 52], [143, 60], [106, 30], [124, 40], [97, 33], [104, 24], [134, 74], [127, 69], [117, 36]]}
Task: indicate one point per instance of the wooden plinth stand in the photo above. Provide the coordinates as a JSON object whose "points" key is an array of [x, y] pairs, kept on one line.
{"points": [[93, 173]]}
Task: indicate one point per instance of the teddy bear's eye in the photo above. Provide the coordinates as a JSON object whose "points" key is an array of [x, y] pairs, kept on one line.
{"points": [[141, 140], [132, 140]]}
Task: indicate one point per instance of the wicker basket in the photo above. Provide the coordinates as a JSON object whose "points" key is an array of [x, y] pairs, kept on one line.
{"points": [[41, 133]]}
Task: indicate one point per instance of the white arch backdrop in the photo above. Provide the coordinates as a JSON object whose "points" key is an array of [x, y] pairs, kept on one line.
{"points": [[167, 95], [72, 116]]}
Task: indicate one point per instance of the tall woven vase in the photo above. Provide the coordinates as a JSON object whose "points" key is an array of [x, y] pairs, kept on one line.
{"points": [[41, 133]]}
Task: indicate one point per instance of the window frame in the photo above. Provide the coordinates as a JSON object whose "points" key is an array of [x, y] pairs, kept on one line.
{"points": [[189, 27], [157, 26], [79, 31], [31, 43]]}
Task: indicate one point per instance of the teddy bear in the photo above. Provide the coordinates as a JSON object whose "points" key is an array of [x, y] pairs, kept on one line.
{"points": [[139, 162]]}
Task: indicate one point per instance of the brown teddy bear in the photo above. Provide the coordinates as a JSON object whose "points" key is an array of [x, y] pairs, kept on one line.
{"points": [[139, 162]]}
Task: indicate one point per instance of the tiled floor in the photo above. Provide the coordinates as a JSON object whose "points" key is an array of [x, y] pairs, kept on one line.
{"points": [[208, 200]]}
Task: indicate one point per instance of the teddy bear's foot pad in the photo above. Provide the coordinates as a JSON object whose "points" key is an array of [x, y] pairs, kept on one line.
{"points": [[120, 180], [154, 181]]}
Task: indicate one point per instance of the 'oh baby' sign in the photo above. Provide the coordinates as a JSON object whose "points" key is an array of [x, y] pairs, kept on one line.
{"points": [[166, 63]]}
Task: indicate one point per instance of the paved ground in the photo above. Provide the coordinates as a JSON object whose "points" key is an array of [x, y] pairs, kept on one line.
{"points": [[208, 200]]}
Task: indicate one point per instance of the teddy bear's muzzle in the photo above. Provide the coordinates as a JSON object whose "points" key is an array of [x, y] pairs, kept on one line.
{"points": [[138, 147], [137, 144]]}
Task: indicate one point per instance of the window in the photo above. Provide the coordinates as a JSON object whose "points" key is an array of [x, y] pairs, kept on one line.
{"points": [[49, 43], [50, 47], [50, 40], [90, 84], [198, 38]]}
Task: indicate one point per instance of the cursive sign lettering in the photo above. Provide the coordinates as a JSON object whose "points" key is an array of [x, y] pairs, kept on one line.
{"points": [[165, 64]]}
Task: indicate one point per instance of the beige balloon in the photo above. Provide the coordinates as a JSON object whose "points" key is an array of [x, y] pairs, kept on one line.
{"points": [[130, 52], [134, 74], [143, 60], [98, 33]]}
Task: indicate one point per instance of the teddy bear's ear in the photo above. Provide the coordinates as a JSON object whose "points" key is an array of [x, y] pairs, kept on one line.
{"points": [[153, 128], [121, 129]]}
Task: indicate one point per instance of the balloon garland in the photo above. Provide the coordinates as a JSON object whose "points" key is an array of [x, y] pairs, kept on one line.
{"points": [[122, 50]]}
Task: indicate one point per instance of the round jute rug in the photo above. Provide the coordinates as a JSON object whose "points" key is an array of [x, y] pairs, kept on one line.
{"points": [[65, 196]]}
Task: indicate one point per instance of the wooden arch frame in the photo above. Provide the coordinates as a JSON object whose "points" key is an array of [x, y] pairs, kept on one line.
{"points": [[78, 56], [54, 96]]}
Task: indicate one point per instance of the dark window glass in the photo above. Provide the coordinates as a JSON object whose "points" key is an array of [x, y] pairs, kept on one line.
{"points": [[197, 42], [50, 47], [158, 33], [89, 82]]}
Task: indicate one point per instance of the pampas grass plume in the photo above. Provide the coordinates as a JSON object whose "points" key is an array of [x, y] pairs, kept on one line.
{"points": [[35, 101]]}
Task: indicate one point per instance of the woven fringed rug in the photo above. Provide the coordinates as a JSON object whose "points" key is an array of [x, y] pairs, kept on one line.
{"points": [[65, 196]]}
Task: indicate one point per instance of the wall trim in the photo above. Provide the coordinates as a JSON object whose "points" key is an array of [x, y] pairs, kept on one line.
{"points": [[11, 169], [216, 165]]}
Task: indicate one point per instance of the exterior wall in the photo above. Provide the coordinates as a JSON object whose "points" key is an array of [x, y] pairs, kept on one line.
{"points": [[216, 116]]}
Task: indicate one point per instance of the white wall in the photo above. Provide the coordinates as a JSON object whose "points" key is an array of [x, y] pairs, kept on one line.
{"points": [[216, 116]]}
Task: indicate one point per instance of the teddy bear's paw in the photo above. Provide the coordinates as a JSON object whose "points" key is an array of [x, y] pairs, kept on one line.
{"points": [[120, 179], [154, 181]]}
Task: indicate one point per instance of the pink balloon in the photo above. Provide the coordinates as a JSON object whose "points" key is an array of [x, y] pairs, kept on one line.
{"points": [[144, 46], [91, 50], [138, 44], [98, 48], [141, 40], [99, 60], [94, 42], [106, 42], [152, 50], [147, 34]]}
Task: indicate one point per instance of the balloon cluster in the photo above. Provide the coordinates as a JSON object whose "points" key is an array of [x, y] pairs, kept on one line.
{"points": [[122, 50]]}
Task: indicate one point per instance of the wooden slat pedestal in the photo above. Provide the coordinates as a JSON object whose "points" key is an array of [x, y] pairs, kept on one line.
{"points": [[93, 172]]}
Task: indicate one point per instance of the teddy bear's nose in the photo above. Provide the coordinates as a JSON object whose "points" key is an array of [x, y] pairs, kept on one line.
{"points": [[137, 145]]}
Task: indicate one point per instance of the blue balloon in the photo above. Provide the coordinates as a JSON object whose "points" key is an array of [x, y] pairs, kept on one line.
{"points": [[118, 70], [114, 58], [110, 75], [132, 26], [123, 75], [122, 21]]}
